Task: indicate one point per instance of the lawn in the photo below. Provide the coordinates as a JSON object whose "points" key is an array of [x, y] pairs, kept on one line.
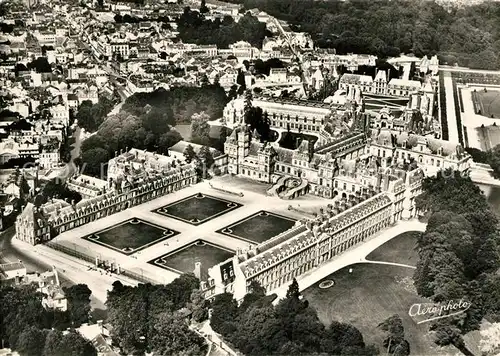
{"points": [[131, 236], [400, 249], [368, 296], [490, 102], [198, 208], [184, 259], [258, 227]]}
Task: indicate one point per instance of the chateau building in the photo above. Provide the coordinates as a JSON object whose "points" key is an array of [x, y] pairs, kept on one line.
{"points": [[381, 85], [429, 153], [348, 221], [134, 177], [295, 115]]}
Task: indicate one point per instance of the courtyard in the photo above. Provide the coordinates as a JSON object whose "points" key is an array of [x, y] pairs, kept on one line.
{"points": [[258, 227], [131, 236], [184, 259], [134, 247], [198, 208], [488, 102]]}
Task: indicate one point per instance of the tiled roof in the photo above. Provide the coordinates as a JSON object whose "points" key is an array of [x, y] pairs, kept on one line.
{"points": [[300, 239], [284, 154]]}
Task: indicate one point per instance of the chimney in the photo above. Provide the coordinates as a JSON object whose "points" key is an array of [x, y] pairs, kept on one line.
{"points": [[197, 270]]}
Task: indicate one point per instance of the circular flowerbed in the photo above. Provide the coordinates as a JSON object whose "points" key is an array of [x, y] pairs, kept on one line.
{"points": [[326, 284]]}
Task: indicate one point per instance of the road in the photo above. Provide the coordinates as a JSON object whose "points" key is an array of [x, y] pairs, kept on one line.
{"points": [[9, 253], [71, 270]]}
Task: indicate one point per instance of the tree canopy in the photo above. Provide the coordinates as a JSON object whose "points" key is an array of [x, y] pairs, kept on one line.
{"points": [[195, 28], [469, 35], [27, 327], [291, 327], [144, 318], [146, 121], [458, 254]]}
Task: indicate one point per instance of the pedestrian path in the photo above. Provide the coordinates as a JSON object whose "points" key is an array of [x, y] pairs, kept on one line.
{"points": [[389, 263], [356, 254]]}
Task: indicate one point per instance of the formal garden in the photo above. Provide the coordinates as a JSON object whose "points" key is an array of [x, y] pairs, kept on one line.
{"points": [[258, 227], [131, 236], [198, 208]]}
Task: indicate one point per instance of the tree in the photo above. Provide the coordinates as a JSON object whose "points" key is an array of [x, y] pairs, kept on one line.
{"points": [[203, 7], [395, 342], [293, 290], [200, 129], [30, 341], [258, 121], [173, 337], [78, 297], [224, 313], [189, 153], [71, 343], [95, 160], [207, 159], [198, 306], [233, 92]]}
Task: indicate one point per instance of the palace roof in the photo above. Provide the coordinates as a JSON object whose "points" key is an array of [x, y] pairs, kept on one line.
{"points": [[299, 238], [388, 139]]}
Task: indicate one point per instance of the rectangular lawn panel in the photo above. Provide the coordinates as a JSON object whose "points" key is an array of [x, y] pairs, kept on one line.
{"points": [[258, 227], [198, 208], [183, 260], [490, 102], [131, 236]]}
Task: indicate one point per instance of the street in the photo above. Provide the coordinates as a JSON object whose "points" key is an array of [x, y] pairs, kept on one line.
{"points": [[41, 259]]}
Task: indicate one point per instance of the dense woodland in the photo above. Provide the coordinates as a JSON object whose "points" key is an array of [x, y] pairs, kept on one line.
{"points": [[468, 36], [26, 327], [146, 121], [195, 28], [458, 255]]}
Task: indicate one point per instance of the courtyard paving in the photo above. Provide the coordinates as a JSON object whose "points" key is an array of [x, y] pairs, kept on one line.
{"points": [[252, 201]]}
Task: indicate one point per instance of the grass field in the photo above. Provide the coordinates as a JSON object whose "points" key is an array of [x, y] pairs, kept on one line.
{"points": [[368, 296], [489, 102], [400, 249], [259, 227], [198, 208], [183, 260], [131, 236]]}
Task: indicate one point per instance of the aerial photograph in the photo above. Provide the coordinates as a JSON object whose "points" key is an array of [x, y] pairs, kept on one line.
{"points": [[249, 177]]}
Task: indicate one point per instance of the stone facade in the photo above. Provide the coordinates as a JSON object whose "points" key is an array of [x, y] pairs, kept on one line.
{"points": [[135, 177], [347, 221]]}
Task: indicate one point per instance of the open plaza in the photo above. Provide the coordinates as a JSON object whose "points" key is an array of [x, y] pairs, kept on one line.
{"points": [[165, 237]]}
